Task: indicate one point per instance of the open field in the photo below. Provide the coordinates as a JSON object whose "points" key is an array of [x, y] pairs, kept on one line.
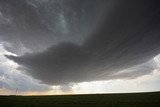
{"points": [[91, 100]]}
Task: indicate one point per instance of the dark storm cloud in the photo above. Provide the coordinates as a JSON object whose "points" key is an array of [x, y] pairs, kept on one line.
{"points": [[66, 59], [34, 25], [127, 35], [133, 72]]}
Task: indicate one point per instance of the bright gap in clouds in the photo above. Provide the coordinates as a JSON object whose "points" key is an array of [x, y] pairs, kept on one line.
{"points": [[145, 83]]}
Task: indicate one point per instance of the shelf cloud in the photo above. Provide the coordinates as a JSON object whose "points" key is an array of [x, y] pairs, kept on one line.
{"points": [[97, 40]]}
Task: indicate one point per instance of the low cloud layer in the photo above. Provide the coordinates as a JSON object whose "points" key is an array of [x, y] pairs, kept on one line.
{"points": [[120, 44]]}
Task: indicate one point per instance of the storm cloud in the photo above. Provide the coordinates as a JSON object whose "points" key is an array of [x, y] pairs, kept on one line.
{"points": [[120, 44], [34, 25]]}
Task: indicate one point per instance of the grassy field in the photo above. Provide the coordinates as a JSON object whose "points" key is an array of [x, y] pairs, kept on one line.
{"points": [[91, 100]]}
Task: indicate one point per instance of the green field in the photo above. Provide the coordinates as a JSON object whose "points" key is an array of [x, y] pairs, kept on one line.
{"points": [[92, 100]]}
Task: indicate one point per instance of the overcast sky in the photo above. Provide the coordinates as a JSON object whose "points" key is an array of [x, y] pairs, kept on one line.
{"points": [[72, 46]]}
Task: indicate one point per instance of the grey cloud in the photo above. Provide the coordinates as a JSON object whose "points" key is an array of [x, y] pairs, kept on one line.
{"points": [[157, 60], [127, 35], [66, 59], [66, 88], [133, 72], [34, 25]]}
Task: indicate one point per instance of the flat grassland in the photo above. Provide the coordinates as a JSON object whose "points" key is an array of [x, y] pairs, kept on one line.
{"points": [[151, 99]]}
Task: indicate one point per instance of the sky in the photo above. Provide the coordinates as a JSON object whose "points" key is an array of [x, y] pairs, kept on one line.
{"points": [[79, 46]]}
